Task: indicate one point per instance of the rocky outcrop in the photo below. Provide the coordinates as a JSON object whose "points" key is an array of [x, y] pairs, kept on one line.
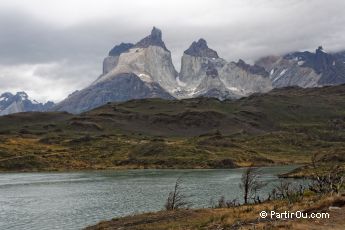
{"points": [[20, 102], [204, 73], [154, 39], [200, 49]]}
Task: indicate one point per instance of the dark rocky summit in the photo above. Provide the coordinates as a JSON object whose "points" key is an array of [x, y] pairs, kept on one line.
{"points": [[154, 39], [119, 49], [330, 66], [200, 49], [254, 69]]}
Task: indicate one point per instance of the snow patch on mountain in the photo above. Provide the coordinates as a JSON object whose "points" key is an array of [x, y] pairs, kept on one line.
{"points": [[180, 83], [282, 72], [145, 77]]}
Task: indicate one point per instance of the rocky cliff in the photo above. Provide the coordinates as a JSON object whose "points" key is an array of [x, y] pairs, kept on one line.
{"points": [[204, 73], [131, 71]]}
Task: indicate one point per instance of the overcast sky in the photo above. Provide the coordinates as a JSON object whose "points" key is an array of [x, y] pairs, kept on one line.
{"points": [[51, 48]]}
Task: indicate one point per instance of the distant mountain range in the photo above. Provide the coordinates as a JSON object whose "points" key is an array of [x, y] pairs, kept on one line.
{"points": [[145, 70], [20, 102]]}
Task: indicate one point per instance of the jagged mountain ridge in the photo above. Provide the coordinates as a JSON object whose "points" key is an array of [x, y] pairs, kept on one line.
{"points": [[20, 102], [305, 69], [145, 70], [149, 62]]}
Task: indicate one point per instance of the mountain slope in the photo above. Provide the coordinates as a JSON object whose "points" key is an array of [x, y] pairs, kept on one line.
{"points": [[123, 87], [305, 69], [283, 126]]}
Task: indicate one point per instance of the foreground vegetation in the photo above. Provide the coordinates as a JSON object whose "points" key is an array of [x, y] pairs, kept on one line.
{"points": [[239, 217], [285, 126], [323, 196]]}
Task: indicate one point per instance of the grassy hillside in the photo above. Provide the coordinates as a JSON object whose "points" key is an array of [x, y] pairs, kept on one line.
{"points": [[284, 126]]}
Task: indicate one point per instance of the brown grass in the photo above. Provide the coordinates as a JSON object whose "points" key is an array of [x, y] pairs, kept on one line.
{"points": [[242, 217]]}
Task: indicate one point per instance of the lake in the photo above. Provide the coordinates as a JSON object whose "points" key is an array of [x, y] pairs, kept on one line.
{"points": [[74, 200]]}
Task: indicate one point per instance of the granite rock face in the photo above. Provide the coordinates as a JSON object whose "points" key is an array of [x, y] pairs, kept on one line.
{"points": [[131, 71], [151, 64], [111, 61], [203, 73], [20, 102]]}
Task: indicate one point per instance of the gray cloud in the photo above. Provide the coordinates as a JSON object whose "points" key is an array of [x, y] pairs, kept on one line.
{"points": [[50, 54]]}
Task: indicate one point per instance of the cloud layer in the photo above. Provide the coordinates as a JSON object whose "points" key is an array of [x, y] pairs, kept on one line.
{"points": [[51, 48]]}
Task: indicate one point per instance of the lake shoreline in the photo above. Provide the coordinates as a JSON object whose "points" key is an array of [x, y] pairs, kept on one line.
{"points": [[286, 175], [239, 217], [74, 200]]}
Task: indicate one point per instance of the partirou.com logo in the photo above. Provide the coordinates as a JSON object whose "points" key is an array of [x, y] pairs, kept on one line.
{"points": [[292, 215]]}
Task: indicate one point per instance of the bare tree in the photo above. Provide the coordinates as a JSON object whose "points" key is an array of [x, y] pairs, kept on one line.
{"points": [[223, 203], [329, 179], [176, 199], [331, 182], [287, 190], [251, 185], [314, 160]]}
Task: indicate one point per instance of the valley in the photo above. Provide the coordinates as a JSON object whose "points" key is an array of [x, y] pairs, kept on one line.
{"points": [[284, 126], [172, 115]]}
